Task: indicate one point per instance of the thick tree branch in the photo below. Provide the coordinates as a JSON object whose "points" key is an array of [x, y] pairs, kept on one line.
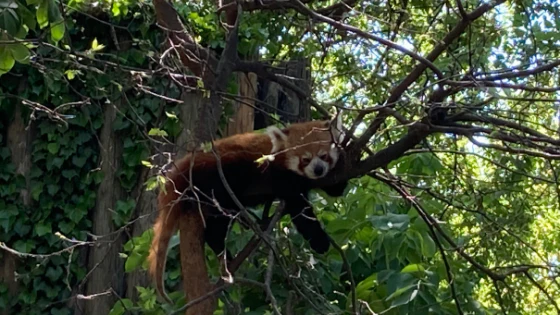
{"points": [[537, 136], [522, 73], [193, 54], [399, 90], [337, 10], [485, 84]]}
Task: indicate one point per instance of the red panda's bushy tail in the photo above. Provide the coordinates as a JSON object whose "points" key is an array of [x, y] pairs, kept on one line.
{"points": [[164, 228]]}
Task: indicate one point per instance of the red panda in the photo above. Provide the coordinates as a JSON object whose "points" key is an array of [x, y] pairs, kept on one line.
{"points": [[299, 154]]}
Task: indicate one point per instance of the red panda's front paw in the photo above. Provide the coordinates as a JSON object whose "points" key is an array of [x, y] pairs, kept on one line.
{"points": [[320, 243]]}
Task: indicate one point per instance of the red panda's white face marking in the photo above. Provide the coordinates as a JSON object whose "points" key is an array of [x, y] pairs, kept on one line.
{"points": [[310, 148]]}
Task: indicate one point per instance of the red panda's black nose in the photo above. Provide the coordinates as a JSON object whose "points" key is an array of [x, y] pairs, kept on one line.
{"points": [[318, 170]]}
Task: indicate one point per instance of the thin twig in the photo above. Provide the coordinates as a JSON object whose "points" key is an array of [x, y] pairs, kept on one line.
{"points": [[350, 275]]}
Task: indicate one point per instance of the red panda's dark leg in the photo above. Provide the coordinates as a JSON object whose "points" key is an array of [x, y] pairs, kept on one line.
{"points": [[215, 234], [307, 223], [335, 190]]}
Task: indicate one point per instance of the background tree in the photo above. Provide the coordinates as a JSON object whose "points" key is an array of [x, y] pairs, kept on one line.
{"points": [[453, 147]]}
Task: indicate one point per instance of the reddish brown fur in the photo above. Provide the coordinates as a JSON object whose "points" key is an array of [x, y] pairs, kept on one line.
{"points": [[250, 146], [242, 149]]}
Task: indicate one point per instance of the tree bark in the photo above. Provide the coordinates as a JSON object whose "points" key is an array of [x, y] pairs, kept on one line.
{"points": [[244, 118], [145, 212], [196, 282], [19, 143], [104, 264]]}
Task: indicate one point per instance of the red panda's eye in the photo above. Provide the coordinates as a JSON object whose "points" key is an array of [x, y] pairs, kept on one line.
{"points": [[322, 156], [305, 160]]}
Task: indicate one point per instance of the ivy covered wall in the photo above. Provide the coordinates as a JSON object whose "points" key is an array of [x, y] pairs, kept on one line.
{"points": [[70, 183]]}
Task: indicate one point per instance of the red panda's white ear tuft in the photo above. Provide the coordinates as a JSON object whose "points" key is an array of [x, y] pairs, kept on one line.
{"points": [[336, 128], [277, 137]]}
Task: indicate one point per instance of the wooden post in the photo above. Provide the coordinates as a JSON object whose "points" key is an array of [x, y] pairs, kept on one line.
{"points": [[274, 99], [244, 118]]}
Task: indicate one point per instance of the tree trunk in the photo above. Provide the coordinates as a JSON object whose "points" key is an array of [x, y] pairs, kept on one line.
{"points": [[104, 264], [244, 118], [193, 262], [19, 143], [145, 212]]}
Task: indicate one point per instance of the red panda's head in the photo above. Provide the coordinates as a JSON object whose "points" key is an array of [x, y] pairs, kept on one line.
{"points": [[309, 149]]}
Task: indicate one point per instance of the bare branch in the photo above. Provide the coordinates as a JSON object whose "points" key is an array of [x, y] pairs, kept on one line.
{"points": [[462, 11], [522, 73], [485, 84], [399, 90], [350, 275], [538, 285], [349, 28]]}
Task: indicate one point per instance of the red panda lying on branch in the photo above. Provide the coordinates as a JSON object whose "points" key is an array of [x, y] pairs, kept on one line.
{"points": [[299, 153]]}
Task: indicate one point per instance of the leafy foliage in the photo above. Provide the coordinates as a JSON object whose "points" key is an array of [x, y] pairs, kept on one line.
{"points": [[465, 222], [64, 176]]}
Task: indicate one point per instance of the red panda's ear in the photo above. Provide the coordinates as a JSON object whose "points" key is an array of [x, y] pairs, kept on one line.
{"points": [[277, 137], [336, 128]]}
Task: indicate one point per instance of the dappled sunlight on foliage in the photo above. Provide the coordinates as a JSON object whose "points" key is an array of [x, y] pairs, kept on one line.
{"points": [[453, 123]]}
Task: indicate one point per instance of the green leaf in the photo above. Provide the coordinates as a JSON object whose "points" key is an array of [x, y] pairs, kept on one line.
{"points": [[83, 137], [66, 227], [27, 16], [57, 30], [171, 115], [57, 162], [401, 291], [4, 4], [412, 268], [79, 161], [24, 246], [69, 173], [384, 275], [54, 273], [20, 53], [9, 20], [390, 222], [8, 211], [405, 298], [151, 183], [121, 306], [76, 214], [133, 261], [42, 228], [6, 60], [53, 147], [138, 56], [115, 9], [428, 245], [43, 13], [36, 190], [366, 284], [157, 132], [95, 46], [53, 12], [52, 189]]}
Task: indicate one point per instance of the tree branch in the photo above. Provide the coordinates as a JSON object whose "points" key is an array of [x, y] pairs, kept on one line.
{"points": [[399, 90]]}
